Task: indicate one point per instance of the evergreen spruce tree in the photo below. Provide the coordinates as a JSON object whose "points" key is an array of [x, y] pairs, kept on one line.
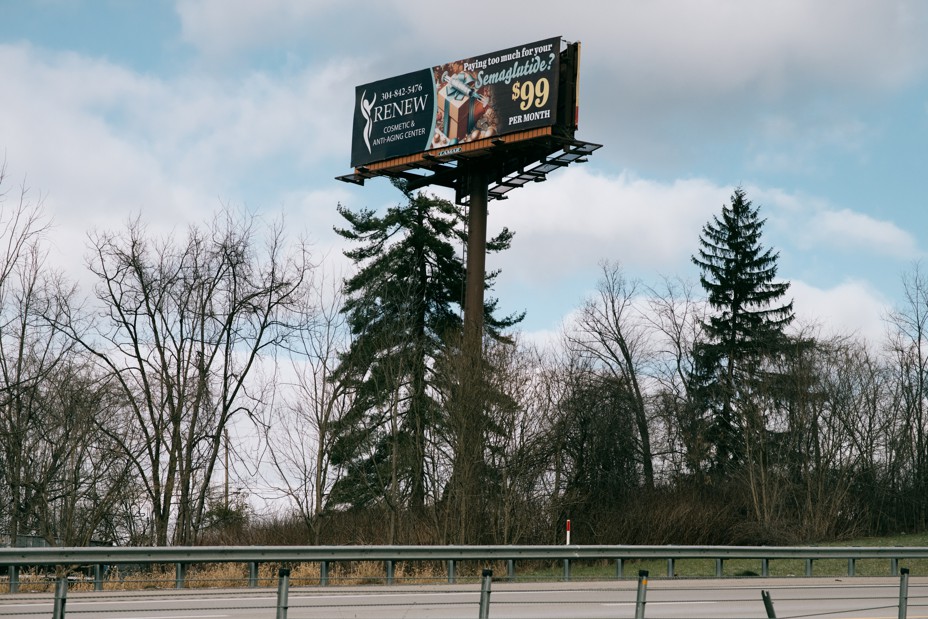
{"points": [[403, 304], [746, 325]]}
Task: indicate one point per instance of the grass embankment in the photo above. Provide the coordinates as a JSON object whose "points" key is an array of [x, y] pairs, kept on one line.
{"points": [[372, 572]]}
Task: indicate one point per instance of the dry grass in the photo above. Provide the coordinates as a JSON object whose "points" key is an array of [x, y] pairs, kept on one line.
{"points": [[232, 575]]}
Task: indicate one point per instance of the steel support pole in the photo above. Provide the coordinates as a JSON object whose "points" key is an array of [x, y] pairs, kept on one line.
{"points": [[323, 573], [61, 598], [469, 454], [97, 577], [487, 578], [283, 592], [478, 186], [180, 575], [903, 593], [768, 604], [252, 574], [390, 568], [642, 593]]}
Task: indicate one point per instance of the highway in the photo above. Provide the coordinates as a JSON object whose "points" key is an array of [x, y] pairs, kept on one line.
{"points": [[846, 598]]}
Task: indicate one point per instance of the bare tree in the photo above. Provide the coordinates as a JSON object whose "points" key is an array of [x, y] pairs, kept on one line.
{"points": [[908, 346], [58, 479], [84, 477], [483, 460], [612, 332], [298, 433], [182, 327], [519, 451], [588, 442], [29, 353], [676, 317]]}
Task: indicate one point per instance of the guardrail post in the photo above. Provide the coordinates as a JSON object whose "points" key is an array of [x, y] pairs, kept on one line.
{"points": [[618, 568], [511, 570], [180, 575], [390, 571], [719, 567], [253, 574], [323, 573], [851, 567], [904, 593], [642, 592], [14, 578], [670, 563], [894, 567], [768, 604], [566, 570], [765, 567], [486, 579], [61, 597], [98, 577], [283, 592], [808, 567], [452, 577]]}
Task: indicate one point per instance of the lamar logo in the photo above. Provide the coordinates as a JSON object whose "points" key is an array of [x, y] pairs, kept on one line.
{"points": [[366, 113]]}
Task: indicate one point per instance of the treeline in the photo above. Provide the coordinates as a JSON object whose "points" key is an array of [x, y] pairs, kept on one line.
{"points": [[351, 411]]}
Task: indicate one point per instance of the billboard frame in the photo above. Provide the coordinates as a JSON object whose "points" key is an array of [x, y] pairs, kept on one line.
{"points": [[510, 160]]}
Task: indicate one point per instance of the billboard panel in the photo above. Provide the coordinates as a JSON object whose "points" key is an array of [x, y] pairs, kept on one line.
{"points": [[455, 103]]}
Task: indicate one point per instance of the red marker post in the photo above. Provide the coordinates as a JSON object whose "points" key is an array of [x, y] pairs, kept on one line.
{"points": [[568, 532]]}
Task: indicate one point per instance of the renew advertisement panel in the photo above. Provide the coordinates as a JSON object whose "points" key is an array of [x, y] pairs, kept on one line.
{"points": [[463, 101]]}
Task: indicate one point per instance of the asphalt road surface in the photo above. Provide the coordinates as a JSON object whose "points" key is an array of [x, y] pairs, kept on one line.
{"points": [[845, 598]]}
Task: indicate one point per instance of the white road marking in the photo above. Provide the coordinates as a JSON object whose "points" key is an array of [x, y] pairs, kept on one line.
{"points": [[658, 603], [173, 617]]}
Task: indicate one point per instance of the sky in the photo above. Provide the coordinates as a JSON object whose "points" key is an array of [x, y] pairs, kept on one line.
{"points": [[174, 109]]}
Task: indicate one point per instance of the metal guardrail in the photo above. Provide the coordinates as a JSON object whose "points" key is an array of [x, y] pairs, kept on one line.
{"points": [[15, 559], [245, 554]]}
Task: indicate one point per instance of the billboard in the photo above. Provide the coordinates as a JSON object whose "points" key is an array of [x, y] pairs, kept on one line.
{"points": [[463, 101]]}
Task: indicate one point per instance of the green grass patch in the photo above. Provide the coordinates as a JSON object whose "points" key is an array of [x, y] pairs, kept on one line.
{"points": [[706, 568], [734, 568]]}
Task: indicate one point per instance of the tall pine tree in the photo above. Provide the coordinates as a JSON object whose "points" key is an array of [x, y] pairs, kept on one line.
{"points": [[745, 325], [403, 304]]}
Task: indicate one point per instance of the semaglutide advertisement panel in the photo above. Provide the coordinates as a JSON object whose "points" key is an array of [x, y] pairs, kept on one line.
{"points": [[494, 94]]}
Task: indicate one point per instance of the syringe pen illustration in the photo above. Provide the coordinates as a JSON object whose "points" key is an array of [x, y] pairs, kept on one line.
{"points": [[462, 87]]}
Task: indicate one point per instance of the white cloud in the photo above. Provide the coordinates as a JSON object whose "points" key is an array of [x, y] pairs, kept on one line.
{"points": [[103, 143], [847, 230], [701, 47], [580, 216], [224, 27], [813, 224], [711, 48], [851, 307]]}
